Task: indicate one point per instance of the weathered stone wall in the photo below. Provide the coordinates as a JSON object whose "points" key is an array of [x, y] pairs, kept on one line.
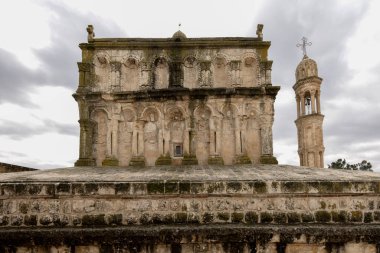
{"points": [[6, 167], [250, 215], [146, 102]]}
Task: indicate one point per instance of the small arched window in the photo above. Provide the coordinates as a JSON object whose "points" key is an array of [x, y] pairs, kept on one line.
{"points": [[308, 109]]}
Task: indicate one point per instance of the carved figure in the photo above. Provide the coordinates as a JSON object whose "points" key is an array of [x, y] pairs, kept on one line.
{"points": [[205, 76], [161, 73], [90, 31], [151, 134]]}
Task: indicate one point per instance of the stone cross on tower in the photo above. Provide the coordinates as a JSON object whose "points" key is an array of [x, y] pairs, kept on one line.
{"points": [[303, 45]]}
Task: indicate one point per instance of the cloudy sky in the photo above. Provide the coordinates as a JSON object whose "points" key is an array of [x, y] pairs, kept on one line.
{"points": [[39, 50]]}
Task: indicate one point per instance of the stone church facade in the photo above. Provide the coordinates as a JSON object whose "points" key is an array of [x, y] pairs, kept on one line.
{"points": [[175, 101], [176, 155]]}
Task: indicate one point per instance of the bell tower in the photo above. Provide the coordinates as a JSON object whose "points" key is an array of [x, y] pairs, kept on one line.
{"points": [[309, 117]]}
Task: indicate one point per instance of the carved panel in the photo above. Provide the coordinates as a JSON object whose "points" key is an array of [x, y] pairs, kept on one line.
{"points": [[130, 74], [220, 72], [125, 135], [205, 76], [100, 119], [161, 73], [249, 72], [190, 72]]}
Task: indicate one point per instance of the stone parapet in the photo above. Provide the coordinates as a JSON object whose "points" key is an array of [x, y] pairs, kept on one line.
{"points": [[253, 208]]}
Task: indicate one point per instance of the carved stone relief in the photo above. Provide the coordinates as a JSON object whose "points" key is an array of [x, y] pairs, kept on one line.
{"points": [[251, 136], [177, 132], [229, 135], [161, 73], [202, 115], [126, 130], [130, 74], [176, 74], [249, 72], [102, 71], [205, 76], [220, 72], [151, 137], [145, 80], [100, 132], [235, 67], [190, 72], [115, 75]]}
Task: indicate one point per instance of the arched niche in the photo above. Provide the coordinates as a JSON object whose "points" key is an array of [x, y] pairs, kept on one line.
{"points": [[100, 120], [190, 72], [161, 73], [220, 71], [130, 74], [126, 136]]}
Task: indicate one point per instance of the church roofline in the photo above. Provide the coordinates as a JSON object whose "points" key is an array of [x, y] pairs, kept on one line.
{"points": [[170, 42]]}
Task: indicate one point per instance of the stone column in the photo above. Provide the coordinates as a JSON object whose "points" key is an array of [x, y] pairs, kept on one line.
{"points": [[298, 106], [303, 104], [318, 103], [84, 73], [85, 144], [267, 140], [313, 102]]}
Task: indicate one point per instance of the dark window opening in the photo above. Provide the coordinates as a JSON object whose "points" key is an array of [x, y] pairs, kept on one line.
{"points": [[178, 151]]}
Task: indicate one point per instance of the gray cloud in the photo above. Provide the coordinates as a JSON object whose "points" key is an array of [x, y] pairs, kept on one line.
{"points": [[19, 131], [58, 61], [16, 80]]}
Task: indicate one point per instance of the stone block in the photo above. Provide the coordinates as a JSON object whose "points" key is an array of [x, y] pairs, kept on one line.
{"points": [[237, 217], [266, 217], [293, 187], [184, 187], [110, 161], [251, 218], [279, 218], [260, 187], [356, 216], [340, 216], [208, 218]]}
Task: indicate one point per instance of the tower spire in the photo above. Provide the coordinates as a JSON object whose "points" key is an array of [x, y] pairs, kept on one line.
{"points": [[309, 120]]}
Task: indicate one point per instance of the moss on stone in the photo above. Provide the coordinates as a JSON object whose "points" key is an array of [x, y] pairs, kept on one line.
{"points": [[216, 187], [307, 217], [24, 207], [294, 217], [137, 161], [34, 189], [156, 187], [189, 160], [122, 188], [251, 218], [341, 216], [93, 220], [215, 160], [208, 217], [323, 205], [279, 218], [237, 217], [63, 188], [115, 219], [197, 187], [266, 217], [223, 216], [326, 187], [181, 217], [322, 216], [260, 187], [164, 160], [30, 220], [356, 216], [4, 220], [21, 189], [368, 217], [234, 186], [293, 186], [110, 161], [242, 159], [91, 188], [266, 159], [376, 216], [171, 187], [184, 187]]}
